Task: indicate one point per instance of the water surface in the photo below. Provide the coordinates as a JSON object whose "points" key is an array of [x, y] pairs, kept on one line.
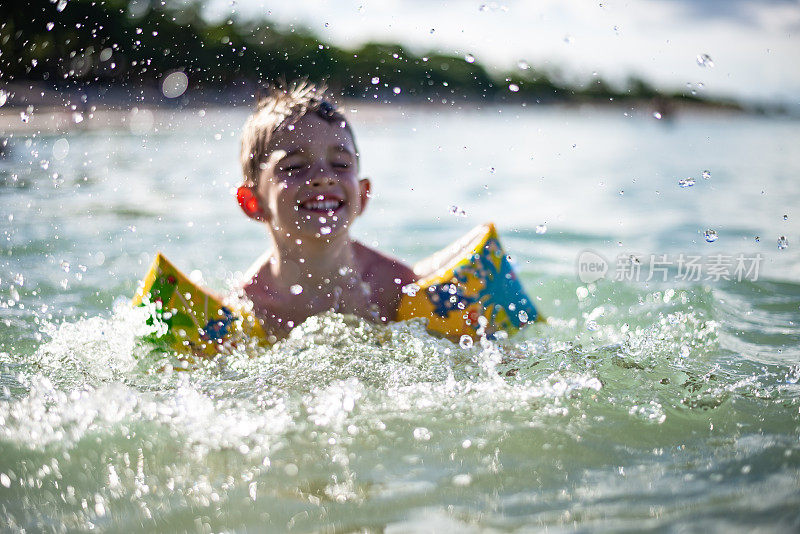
{"points": [[667, 404]]}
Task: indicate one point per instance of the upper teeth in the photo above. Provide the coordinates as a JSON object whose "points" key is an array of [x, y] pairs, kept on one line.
{"points": [[321, 204]]}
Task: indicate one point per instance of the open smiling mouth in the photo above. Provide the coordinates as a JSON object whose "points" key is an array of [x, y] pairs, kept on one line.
{"points": [[321, 205]]}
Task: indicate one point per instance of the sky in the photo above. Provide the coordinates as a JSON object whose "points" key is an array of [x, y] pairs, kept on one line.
{"points": [[753, 45]]}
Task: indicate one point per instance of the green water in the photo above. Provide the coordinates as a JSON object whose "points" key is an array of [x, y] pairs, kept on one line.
{"points": [[670, 405]]}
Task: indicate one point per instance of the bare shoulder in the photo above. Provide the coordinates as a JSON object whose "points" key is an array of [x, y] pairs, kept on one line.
{"points": [[381, 266], [386, 276]]}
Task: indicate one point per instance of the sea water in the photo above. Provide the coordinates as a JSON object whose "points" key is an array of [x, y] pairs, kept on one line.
{"points": [[655, 398]]}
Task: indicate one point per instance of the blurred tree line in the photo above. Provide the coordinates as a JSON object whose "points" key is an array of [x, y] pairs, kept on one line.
{"points": [[75, 43]]}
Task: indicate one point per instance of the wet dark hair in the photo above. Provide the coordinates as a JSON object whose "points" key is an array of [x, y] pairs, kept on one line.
{"points": [[281, 106]]}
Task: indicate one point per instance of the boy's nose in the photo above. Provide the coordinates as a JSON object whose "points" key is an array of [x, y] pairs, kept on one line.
{"points": [[321, 179]]}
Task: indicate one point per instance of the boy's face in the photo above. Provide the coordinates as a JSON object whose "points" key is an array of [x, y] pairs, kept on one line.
{"points": [[309, 187]]}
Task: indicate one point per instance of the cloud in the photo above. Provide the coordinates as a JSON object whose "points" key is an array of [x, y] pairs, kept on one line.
{"points": [[744, 12]]}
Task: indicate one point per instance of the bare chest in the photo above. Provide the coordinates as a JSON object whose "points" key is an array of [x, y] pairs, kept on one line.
{"points": [[282, 312]]}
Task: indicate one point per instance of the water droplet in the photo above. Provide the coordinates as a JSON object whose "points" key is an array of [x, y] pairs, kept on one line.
{"points": [[758, 239], [422, 434], [44, 164], [325, 230], [464, 479], [291, 470], [458, 212], [591, 326], [466, 342], [686, 182], [782, 242], [296, 289], [785, 217], [60, 149], [657, 115], [174, 84], [3, 97], [541, 229], [5, 480], [523, 65], [375, 80], [77, 117], [411, 290], [704, 60], [523, 316], [469, 58], [139, 31], [24, 117], [706, 175], [513, 87], [49, 26], [397, 90], [62, 4], [710, 235]]}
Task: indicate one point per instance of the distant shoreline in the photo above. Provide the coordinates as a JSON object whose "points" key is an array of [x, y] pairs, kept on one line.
{"points": [[50, 119], [50, 110]]}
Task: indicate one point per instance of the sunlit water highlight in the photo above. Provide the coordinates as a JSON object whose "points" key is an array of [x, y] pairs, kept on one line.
{"points": [[640, 405]]}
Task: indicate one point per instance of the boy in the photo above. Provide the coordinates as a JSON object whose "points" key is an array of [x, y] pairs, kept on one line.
{"points": [[300, 166]]}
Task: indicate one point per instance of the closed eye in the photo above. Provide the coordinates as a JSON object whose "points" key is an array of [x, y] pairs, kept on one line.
{"points": [[293, 167]]}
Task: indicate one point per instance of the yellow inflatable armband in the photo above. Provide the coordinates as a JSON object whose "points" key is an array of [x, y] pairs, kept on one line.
{"points": [[197, 321], [464, 282], [459, 285]]}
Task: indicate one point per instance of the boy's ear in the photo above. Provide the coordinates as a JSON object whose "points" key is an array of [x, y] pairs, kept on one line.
{"points": [[248, 201], [364, 187]]}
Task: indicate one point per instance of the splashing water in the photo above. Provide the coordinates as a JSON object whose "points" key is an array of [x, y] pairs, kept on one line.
{"points": [[589, 421], [704, 60], [458, 212], [174, 84]]}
